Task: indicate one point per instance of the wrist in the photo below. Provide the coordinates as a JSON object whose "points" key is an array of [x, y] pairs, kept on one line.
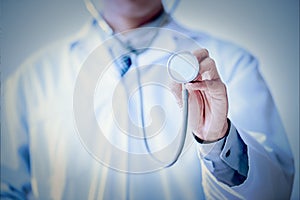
{"points": [[225, 132]]}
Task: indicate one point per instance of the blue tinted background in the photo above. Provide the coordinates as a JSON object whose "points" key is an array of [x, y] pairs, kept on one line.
{"points": [[267, 28]]}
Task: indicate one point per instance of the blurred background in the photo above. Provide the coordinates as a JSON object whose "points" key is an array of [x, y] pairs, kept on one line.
{"points": [[269, 29]]}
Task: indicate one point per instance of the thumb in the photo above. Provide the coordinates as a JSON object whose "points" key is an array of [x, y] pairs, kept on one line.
{"points": [[176, 89]]}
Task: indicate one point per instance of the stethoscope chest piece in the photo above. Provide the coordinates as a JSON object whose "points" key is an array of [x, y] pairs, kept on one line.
{"points": [[183, 67]]}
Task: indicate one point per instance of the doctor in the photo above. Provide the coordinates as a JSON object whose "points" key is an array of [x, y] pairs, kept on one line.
{"points": [[240, 142]]}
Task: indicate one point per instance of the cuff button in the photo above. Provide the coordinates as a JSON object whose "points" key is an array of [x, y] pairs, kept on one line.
{"points": [[227, 153]]}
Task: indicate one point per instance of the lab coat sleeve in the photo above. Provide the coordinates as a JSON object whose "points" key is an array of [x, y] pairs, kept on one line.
{"points": [[254, 114], [15, 156]]}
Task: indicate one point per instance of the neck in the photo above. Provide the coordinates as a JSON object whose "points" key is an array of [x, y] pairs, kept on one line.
{"points": [[120, 22]]}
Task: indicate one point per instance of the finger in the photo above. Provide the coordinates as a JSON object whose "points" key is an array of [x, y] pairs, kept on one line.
{"points": [[211, 86], [207, 65], [176, 91], [208, 69], [199, 85], [201, 54]]}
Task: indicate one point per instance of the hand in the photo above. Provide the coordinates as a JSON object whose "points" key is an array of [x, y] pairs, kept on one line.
{"points": [[208, 103]]}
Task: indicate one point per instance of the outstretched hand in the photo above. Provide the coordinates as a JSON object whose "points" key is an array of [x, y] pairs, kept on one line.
{"points": [[208, 103]]}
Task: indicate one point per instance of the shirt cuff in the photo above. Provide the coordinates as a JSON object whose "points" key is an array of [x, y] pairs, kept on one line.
{"points": [[226, 155], [234, 152]]}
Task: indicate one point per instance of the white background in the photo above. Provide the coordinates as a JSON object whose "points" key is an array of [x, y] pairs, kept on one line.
{"points": [[267, 28]]}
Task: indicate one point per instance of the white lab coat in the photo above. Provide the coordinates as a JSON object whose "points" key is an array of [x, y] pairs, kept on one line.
{"points": [[41, 147]]}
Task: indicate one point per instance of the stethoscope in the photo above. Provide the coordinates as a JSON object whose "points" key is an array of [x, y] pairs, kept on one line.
{"points": [[182, 67]]}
